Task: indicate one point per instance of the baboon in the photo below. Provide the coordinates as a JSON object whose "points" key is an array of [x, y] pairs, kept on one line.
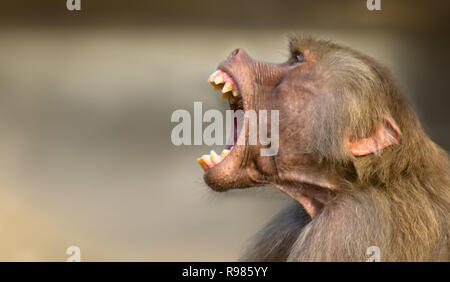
{"points": [[352, 155]]}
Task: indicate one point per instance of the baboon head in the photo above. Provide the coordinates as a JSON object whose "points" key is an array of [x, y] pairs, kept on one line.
{"points": [[339, 113]]}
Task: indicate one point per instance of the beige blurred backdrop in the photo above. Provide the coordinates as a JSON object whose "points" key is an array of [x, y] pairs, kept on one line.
{"points": [[86, 99]]}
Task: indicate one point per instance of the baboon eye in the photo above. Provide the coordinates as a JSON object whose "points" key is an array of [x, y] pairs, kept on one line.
{"points": [[297, 58]]}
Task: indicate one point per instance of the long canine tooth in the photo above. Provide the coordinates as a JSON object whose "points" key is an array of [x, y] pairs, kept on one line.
{"points": [[227, 87], [235, 92], [215, 159], [218, 79]]}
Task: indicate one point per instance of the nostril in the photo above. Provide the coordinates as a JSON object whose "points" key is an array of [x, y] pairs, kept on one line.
{"points": [[235, 52]]}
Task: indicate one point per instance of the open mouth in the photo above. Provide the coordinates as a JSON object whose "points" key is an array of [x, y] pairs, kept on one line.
{"points": [[222, 81]]}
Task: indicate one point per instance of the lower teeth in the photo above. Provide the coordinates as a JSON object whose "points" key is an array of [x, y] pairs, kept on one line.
{"points": [[208, 161]]}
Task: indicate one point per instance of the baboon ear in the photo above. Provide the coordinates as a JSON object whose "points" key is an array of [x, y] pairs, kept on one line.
{"points": [[386, 134]]}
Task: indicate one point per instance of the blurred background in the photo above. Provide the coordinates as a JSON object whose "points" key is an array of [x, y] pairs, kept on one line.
{"points": [[86, 99]]}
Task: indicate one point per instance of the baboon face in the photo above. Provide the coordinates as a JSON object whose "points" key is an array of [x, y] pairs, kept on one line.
{"points": [[315, 92]]}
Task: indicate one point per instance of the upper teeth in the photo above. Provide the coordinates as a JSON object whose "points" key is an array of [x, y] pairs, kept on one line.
{"points": [[221, 80], [227, 87], [218, 79]]}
